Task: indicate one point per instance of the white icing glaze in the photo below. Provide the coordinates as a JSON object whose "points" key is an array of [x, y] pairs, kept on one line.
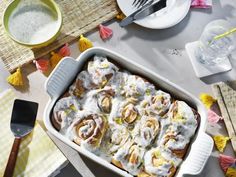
{"points": [[163, 168], [136, 86], [182, 128], [118, 81], [99, 68], [144, 133], [86, 81], [66, 109], [184, 112], [118, 113], [116, 137], [90, 101], [85, 77], [115, 112], [129, 94], [157, 103], [92, 125], [124, 154]]}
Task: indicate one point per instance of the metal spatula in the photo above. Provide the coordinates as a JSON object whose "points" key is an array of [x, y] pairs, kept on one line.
{"points": [[22, 123]]}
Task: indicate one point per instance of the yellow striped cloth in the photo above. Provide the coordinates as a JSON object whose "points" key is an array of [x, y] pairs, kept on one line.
{"points": [[38, 156]]}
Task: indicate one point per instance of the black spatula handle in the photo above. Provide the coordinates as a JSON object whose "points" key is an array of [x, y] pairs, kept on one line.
{"points": [[12, 158]]}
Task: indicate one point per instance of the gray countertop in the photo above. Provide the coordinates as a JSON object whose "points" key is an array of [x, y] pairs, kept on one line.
{"points": [[162, 51]]}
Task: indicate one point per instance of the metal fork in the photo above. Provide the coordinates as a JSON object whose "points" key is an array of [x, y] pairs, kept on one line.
{"points": [[139, 3]]}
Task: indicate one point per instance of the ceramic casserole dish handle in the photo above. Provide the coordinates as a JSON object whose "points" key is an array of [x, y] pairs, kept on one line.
{"points": [[197, 158], [64, 72], [68, 68]]}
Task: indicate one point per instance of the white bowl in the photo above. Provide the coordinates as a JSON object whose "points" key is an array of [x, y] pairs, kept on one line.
{"points": [[66, 71]]}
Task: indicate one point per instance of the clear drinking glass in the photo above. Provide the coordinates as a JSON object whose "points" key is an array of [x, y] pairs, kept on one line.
{"points": [[213, 51]]}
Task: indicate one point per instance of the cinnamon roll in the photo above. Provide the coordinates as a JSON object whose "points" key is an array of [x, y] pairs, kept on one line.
{"points": [[101, 70], [99, 100], [176, 139], [124, 113], [159, 162], [64, 112], [119, 135], [135, 86], [183, 124], [117, 82], [181, 113], [157, 104], [129, 157], [82, 83], [88, 130], [104, 98], [146, 130]]}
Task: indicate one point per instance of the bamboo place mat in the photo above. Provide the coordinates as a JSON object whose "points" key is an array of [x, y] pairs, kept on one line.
{"points": [[79, 17], [226, 97]]}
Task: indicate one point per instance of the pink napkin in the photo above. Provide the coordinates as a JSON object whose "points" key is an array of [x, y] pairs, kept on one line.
{"points": [[203, 4]]}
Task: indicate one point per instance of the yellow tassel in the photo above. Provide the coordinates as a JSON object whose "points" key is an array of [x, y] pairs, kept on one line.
{"points": [[120, 16], [84, 43], [207, 100], [220, 142], [55, 58], [231, 172], [16, 78]]}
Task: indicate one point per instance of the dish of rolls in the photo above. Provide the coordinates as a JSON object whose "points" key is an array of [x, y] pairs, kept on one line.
{"points": [[125, 119]]}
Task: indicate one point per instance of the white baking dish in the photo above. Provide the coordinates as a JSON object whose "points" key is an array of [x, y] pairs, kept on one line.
{"points": [[66, 71]]}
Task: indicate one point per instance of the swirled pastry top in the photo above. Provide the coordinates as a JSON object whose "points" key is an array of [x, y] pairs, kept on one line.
{"points": [[125, 119]]}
